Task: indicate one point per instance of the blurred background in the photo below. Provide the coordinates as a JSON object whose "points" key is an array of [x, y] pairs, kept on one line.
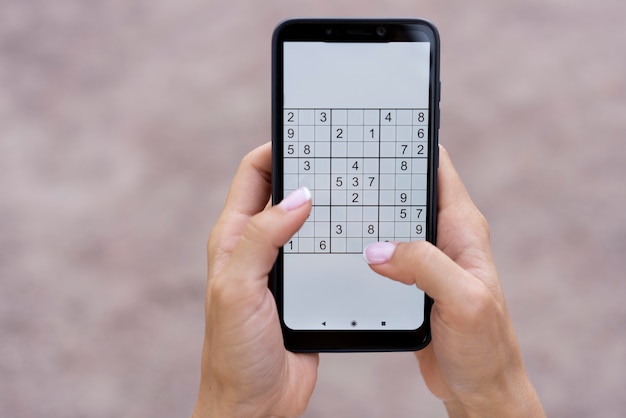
{"points": [[123, 121]]}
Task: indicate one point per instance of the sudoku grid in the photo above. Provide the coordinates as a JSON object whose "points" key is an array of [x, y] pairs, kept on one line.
{"points": [[367, 172]]}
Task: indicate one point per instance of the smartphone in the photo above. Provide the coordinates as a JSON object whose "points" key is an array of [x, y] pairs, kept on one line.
{"points": [[355, 108]]}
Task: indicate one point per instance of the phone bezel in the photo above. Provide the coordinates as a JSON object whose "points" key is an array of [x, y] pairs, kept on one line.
{"points": [[353, 30]]}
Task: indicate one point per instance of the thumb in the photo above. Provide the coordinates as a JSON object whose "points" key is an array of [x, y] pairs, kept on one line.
{"points": [[426, 266], [255, 252]]}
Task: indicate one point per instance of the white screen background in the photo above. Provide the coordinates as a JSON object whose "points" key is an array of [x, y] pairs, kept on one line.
{"points": [[334, 291]]}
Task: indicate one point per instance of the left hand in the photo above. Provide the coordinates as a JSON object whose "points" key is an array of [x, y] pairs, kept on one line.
{"points": [[246, 371]]}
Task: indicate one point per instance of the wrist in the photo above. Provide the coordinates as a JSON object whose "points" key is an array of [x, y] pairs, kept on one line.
{"points": [[504, 401], [222, 411], [216, 408], [212, 403]]}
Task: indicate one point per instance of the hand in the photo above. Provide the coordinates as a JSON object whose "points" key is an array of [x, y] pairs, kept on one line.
{"points": [[246, 371], [473, 363]]}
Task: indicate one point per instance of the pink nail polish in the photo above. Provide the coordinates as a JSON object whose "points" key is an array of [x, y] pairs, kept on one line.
{"points": [[379, 252], [295, 199]]}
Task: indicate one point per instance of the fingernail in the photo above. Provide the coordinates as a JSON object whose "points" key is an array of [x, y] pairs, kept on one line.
{"points": [[295, 199], [379, 252]]}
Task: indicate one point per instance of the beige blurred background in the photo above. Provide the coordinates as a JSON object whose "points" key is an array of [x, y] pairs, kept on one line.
{"points": [[122, 122]]}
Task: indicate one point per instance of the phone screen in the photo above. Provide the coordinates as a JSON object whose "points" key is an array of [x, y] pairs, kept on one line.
{"points": [[356, 129]]}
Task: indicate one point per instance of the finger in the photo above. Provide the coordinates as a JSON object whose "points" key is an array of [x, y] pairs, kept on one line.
{"points": [[452, 191], [251, 186], [424, 265], [462, 230], [248, 195], [255, 253], [457, 212]]}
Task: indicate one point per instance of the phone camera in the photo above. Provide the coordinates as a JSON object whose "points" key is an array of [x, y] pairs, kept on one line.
{"points": [[329, 31], [381, 31]]}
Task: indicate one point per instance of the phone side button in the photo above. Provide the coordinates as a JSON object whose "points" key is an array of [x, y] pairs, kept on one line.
{"points": [[439, 92], [439, 105]]}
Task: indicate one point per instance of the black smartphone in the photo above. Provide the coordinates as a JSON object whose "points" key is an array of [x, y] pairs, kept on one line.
{"points": [[355, 108]]}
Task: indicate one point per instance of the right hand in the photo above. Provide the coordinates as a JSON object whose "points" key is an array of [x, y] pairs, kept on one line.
{"points": [[474, 362]]}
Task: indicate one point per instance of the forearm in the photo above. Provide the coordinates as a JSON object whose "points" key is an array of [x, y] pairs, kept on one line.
{"points": [[520, 401], [219, 409], [212, 402]]}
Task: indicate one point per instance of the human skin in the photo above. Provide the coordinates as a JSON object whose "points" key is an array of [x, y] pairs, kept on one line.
{"points": [[473, 363]]}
